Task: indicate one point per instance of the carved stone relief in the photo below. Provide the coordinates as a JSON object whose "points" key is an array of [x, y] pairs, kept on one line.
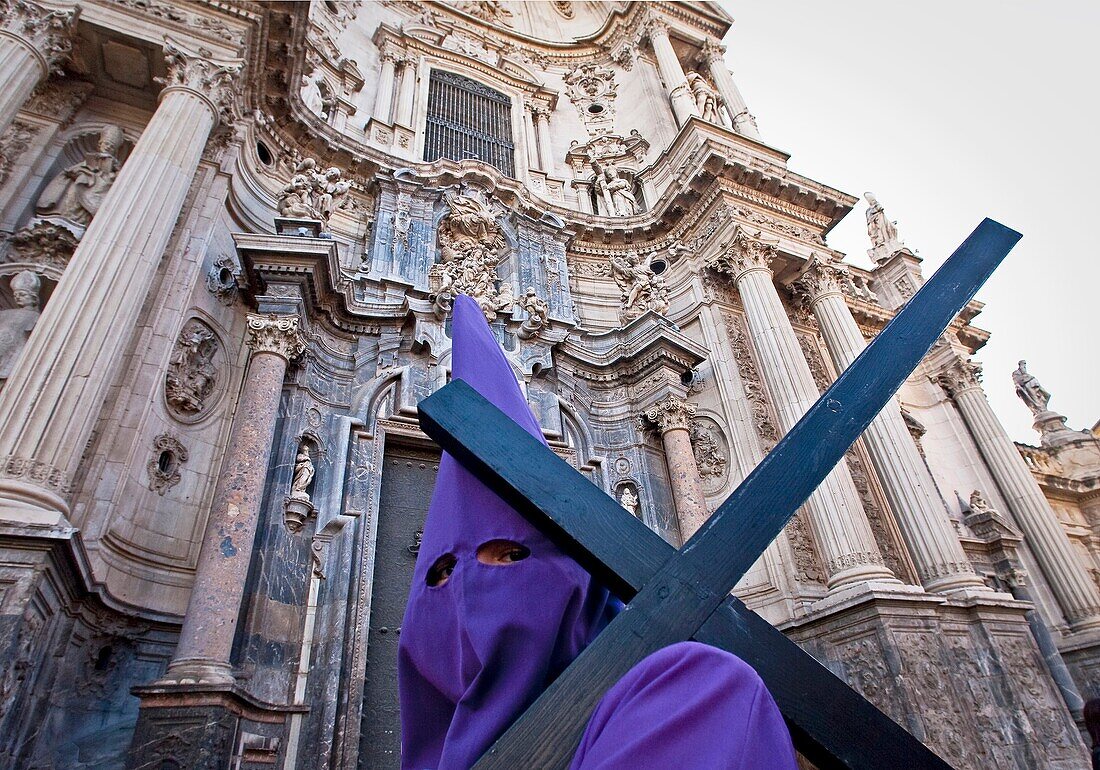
{"points": [[14, 143], [471, 245], [192, 372], [711, 453], [640, 288], [74, 196], [592, 90], [313, 193], [17, 323], [222, 280], [164, 467]]}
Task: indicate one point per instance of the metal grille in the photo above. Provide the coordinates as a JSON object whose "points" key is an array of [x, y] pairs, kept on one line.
{"points": [[468, 120]]}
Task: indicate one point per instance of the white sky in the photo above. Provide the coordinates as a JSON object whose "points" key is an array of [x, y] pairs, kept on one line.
{"points": [[949, 112]]}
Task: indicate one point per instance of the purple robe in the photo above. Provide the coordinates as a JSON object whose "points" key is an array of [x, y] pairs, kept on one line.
{"points": [[477, 649]]}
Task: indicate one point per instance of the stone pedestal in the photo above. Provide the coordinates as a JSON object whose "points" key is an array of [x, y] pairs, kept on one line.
{"points": [[1068, 579], [839, 523], [53, 396], [34, 41], [206, 639], [937, 553], [673, 417]]}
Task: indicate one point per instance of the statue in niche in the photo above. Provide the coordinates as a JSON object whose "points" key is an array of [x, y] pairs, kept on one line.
{"points": [[313, 193], [880, 230], [616, 191], [471, 245], [537, 311], [299, 505], [313, 93], [17, 323], [629, 501], [640, 288], [1029, 390], [706, 98], [76, 194], [191, 373], [303, 473]]}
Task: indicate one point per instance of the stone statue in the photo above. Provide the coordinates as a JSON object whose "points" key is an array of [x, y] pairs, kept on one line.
{"points": [[537, 311], [706, 98], [490, 10], [16, 324], [1029, 390], [615, 189], [471, 245], [76, 194], [303, 473], [312, 193], [629, 501], [640, 288], [295, 200], [191, 372], [312, 94], [880, 230], [978, 503]]}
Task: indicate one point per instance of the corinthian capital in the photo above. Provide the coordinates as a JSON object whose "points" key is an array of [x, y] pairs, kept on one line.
{"points": [[671, 414], [276, 334], [47, 33], [197, 72], [713, 51], [959, 376], [821, 276], [744, 253]]}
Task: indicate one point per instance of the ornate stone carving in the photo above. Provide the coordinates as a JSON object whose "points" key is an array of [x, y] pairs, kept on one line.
{"points": [[75, 194], [14, 143], [316, 93], [38, 473], [163, 469], [916, 429], [471, 245], [592, 90], [492, 11], [1034, 395], [615, 187], [191, 373], [564, 7], [743, 253], [46, 32], [198, 73], [17, 323], [751, 382], [537, 314], [313, 193], [710, 457], [43, 243], [865, 670], [821, 276], [629, 500], [671, 414], [275, 334], [222, 280], [959, 376], [706, 98], [640, 289], [807, 565], [299, 504]]}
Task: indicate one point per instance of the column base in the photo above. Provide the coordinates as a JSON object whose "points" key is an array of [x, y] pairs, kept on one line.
{"points": [[24, 503], [960, 584], [197, 672], [860, 574]]}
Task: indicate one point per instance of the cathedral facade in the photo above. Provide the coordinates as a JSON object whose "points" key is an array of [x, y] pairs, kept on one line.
{"points": [[232, 234]]}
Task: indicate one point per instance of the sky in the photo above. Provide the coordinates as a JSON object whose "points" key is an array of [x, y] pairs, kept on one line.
{"points": [[950, 112]]}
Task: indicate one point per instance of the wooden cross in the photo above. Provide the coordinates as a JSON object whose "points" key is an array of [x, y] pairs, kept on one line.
{"points": [[678, 595]]}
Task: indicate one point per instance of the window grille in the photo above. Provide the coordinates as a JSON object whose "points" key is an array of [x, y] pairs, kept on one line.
{"points": [[468, 120]]}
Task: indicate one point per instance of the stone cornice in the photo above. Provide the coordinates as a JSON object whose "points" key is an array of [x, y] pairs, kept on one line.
{"points": [[631, 353]]}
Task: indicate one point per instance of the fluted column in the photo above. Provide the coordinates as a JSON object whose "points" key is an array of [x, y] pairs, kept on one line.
{"points": [[406, 93], [206, 639], [383, 97], [532, 138], [743, 120], [34, 41], [542, 130], [683, 105], [53, 396], [936, 550], [836, 516], [1058, 559], [673, 418]]}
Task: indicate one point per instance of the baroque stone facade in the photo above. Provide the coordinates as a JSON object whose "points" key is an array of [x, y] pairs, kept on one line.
{"points": [[226, 274]]}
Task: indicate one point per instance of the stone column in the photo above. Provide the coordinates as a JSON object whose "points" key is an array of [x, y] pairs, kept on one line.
{"points": [[1069, 581], [743, 120], [836, 515], [532, 139], [383, 97], [673, 418], [53, 396], [683, 105], [936, 550], [406, 93], [34, 41], [206, 639], [542, 130]]}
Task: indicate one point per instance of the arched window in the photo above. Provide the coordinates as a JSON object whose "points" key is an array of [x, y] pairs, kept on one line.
{"points": [[468, 120]]}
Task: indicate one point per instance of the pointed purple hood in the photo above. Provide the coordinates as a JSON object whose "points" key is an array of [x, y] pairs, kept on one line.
{"points": [[479, 647]]}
